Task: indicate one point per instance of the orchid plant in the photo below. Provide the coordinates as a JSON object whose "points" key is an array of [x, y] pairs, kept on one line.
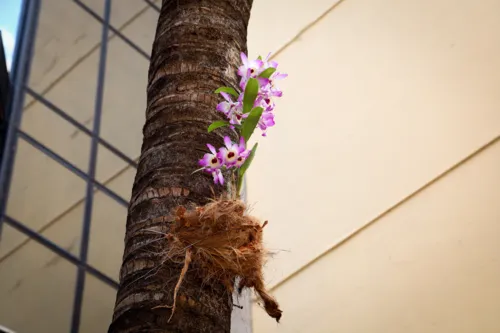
{"points": [[252, 107]]}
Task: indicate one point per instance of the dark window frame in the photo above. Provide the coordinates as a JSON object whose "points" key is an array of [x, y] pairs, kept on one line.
{"points": [[13, 88]]}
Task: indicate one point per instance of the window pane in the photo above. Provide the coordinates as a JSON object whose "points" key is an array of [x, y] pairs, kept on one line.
{"points": [[37, 289], [98, 305]]}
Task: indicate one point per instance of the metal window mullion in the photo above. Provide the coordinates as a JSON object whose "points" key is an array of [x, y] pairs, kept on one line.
{"points": [[113, 29], [20, 74], [89, 196], [19, 226], [153, 5], [71, 167], [80, 126]]}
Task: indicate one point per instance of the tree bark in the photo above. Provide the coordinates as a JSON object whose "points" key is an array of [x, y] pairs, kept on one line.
{"points": [[196, 50]]}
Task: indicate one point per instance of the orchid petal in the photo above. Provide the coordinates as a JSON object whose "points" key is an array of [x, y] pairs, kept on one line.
{"points": [[214, 174], [226, 96], [223, 107], [228, 142], [221, 177], [212, 149], [221, 155], [276, 93], [263, 81], [280, 76], [241, 71], [244, 58], [240, 98]]}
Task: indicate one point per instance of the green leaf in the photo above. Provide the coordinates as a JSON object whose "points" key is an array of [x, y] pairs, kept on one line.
{"points": [[217, 124], [248, 161], [259, 57], [267, 73], [228, 90], [245, 166], [251, 122], [251, 91]]}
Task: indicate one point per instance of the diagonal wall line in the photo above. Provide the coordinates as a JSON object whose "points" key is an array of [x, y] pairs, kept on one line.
{"points": [[390, 209], [306, 28], [356, 232]]}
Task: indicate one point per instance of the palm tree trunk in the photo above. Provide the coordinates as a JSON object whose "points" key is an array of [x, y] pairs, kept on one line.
{"points": [[196, 49]]}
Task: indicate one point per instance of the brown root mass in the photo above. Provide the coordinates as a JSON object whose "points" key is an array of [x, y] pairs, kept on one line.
{"points": [[225, 243]]}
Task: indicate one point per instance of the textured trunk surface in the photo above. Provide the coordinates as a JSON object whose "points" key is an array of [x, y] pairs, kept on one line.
{"points": [[196, 50]]}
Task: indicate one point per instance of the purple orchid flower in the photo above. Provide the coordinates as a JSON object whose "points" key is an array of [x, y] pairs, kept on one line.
{"points": [[268, 90], [228, 106], [270, 63], [265, 121], [241, 159], [232, 110], [233, 154], [218, 177], [268, 86], [212, 163], [250, 68], [265, 102]]}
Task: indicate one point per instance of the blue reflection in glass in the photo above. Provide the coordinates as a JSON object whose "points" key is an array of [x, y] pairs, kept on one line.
{"points": [[9, 18]]}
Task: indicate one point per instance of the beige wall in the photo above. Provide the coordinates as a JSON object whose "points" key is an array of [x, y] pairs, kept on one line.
{"points": [[383, 97], [432, 265]]}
